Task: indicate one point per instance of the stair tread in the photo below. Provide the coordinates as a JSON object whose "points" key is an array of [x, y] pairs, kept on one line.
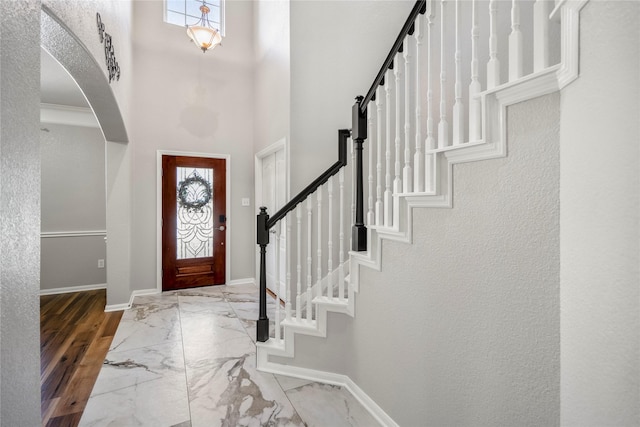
{"points": [[331, 301], [299, 323]]}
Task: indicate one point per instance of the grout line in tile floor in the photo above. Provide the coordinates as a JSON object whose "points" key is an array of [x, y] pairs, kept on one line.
{"points": [[219, 383], [184, 356]]}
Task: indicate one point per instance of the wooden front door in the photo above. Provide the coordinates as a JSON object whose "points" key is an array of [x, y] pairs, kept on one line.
{"points": [[193, 222]]}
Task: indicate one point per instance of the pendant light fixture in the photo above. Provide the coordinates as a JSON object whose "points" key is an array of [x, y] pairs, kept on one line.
{"points": [[202, 33]]}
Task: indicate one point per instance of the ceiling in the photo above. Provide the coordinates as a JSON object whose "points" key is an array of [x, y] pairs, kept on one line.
{"points": [[56, 84]]}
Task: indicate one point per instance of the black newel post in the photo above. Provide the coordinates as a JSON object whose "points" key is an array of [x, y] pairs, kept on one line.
{"points": [[359, 134], [263, 241]]}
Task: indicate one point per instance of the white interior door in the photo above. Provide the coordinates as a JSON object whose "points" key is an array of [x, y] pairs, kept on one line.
{"points": [[274, 196]]}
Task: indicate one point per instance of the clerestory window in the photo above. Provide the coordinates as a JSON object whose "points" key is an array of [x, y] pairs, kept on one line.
{"points": [[187, 12]]}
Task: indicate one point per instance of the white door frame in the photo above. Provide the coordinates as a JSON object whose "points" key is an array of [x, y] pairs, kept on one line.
{"points": [[281, 144], [227, 257]]}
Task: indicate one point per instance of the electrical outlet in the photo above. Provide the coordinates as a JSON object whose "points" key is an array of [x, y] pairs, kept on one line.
{"points": [[100, 263], [246, 201]]}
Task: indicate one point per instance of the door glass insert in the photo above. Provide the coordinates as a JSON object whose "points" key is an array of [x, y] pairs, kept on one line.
{"points": [[194, 228]]}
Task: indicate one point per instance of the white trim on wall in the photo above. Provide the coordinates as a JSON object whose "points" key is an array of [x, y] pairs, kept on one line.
{"points": [[141, 292], [281, 144], [83, 233], [69, 289], [245, 281], [126, 306], [273, 148], [66, 115], [334, 379], [159, 155]]}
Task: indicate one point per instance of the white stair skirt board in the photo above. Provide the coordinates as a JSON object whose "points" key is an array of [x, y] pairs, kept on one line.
{"points": [[398, 207]]}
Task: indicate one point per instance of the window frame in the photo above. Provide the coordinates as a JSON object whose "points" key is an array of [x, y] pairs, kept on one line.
{"points": [[165, 11]]}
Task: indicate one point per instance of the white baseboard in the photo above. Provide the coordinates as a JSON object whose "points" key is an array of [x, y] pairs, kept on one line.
{"points": [[117, 307], [69, 289], [334, 379], [245, 281], [141, 292], [153, 291], [376, 411], [126, 306]]}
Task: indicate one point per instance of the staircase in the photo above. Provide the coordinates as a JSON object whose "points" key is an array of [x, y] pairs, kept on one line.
{"points": [[432, 105]]}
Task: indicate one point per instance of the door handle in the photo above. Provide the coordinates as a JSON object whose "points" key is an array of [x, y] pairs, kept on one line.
{"points": [[221, 228]]}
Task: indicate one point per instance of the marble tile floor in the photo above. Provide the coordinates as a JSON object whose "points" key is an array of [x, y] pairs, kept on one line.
{"points": [[187, 358]]}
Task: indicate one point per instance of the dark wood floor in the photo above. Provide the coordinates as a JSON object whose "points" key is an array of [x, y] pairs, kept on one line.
{"points": [[75, 335]]}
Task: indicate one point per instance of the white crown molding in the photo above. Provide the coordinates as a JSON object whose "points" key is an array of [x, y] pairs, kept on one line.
{"points": [[66, 115]]}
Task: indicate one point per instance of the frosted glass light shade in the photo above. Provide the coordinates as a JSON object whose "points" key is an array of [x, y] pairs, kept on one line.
{"points": [[205, 37]]}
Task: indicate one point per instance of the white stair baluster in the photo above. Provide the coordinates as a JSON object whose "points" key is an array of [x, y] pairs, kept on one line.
{"points": [[309, 256], [319, 251], [330, 240], [458, 106], [388, 198], [439, 180], [430, 143], [407, 171], [540, 35], [379, 205], [397, 72], [418, 158], [371, 140], [493, 66], [515, 44], [443, 125], [287, 306], [475, 105], [278, 280], [299, 260], [341, 253]]}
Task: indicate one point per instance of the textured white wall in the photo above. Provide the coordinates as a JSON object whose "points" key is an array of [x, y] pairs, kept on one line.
{"points": [[118, 167], [600, 191], [19, 214], [73, 199], [337, 48], [73, 180], [189, 101], [462, 327], [271, 81], [72, 261]]}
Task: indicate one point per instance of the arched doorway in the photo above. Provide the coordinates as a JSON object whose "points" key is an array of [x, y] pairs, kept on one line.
{"points": [[70, 52]]}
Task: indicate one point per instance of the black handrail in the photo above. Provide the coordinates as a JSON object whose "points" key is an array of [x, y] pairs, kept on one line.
{"points": [[419, 8], [264, 223], [359, 130], [343, 136]]}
